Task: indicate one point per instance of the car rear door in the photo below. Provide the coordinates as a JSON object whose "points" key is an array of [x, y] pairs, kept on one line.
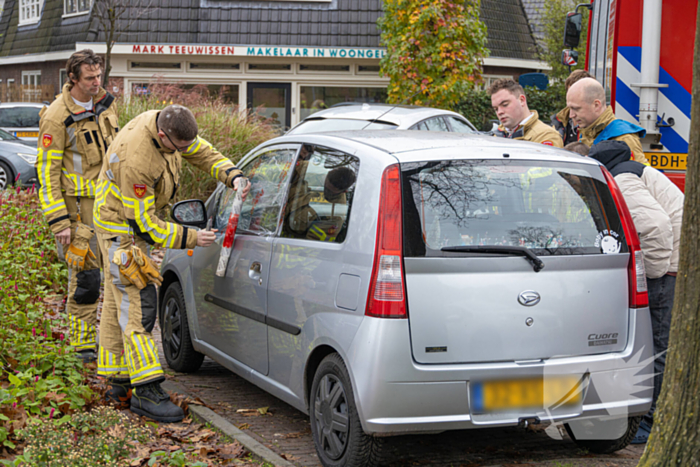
{"points": [[232, 310], [479, 306]]}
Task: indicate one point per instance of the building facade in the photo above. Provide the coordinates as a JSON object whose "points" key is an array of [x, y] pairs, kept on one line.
{"points": [[286, 59]]}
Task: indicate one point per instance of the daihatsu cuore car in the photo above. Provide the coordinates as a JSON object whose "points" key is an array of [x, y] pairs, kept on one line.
{"points": [[402, 282]]}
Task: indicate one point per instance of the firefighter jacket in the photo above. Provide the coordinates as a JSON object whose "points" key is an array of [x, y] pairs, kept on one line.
{"points": [[140, 176], [72, 144], [565, 126], [534, 130], [590, 136], [655, 203]]}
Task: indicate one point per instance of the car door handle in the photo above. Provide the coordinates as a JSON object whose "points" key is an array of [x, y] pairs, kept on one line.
{"points": [[255, 270]]}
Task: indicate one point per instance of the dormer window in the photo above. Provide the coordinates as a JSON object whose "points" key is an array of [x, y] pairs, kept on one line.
{"points": [[76, 7], [29, 11]]}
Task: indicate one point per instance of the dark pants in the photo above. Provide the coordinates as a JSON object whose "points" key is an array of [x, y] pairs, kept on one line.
{"points": [[661, 293]]}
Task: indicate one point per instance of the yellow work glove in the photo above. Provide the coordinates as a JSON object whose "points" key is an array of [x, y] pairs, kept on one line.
{"points": [[147, 267], [130, 271], [79, 249]]}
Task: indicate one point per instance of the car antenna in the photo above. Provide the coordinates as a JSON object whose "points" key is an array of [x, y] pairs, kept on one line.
{"points": [[392, 108]]}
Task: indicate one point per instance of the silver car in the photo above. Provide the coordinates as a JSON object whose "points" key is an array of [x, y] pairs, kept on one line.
{"points": [[17, 159], [402, 282], [21, 119], [356, 116]]}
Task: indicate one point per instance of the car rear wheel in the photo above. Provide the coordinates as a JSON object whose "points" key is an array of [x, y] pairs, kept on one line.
{"points": [[335, 423], [177, 342], [584, 433], [6, 176]]}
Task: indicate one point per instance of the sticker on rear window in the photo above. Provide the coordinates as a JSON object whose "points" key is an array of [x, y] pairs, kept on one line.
{"points": [[608, 241]]}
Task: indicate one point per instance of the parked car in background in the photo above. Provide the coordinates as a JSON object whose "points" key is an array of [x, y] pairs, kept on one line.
{"points": [[357, 116], [17, 158], [396, 282], [21, 119]]}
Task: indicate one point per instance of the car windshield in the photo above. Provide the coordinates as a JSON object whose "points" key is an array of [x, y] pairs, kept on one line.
{"points": [[5, 136], [552, 208], [19, 117], [339, 124]]}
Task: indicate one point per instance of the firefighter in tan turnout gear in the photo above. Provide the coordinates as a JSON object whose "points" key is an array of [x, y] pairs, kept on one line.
{"points": [[74, 133], [517, 121], [139, 176]]}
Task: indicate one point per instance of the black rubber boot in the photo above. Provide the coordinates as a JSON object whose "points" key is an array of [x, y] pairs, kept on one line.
{"points": [[119, 391], [151, 401], [87, 356]]}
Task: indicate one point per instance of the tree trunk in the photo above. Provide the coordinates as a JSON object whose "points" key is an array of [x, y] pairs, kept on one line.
{"points": [[675, 437]]}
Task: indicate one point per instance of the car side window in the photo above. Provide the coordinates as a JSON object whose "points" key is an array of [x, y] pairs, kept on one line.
{"points": [[320, 195], [460, 126], [268, 174], [436, 124]]}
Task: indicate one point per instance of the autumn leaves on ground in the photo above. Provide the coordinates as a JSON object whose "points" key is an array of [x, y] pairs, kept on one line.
{"points": [[51, 410]]}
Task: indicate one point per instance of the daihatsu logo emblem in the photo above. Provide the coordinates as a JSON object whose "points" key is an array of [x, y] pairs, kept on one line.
{"points": [[529, 298]]}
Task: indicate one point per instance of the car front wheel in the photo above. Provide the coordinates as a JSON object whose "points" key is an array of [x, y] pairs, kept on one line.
{"points": [[6, 176], [616, 433], [335, 423], [177, 342]]}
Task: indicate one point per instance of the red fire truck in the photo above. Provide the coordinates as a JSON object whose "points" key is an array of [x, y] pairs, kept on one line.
{"points": [[642, 53]]}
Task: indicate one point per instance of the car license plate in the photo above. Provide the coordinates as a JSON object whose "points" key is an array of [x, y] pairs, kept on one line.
{"points": [[27, 134], [534, 393]]}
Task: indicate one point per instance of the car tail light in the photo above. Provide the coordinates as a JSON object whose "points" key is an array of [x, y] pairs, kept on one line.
{"points": [[637, 274], [387, 297]]}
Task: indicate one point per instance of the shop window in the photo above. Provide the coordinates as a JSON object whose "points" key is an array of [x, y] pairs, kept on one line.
{"points": [[157, 65], [29, 11], [269, 67], [226, 92], [315, 98], [76, 7], [368, 68], [215, 66], [325, 68], [62, 78]]}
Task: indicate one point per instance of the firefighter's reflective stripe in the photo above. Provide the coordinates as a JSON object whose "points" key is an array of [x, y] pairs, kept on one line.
{"points": [[83, 186], [142, 358], [165, 236], [195, 146], [319, 234], [111, 365], [81, 335], [104, 189], [217, 167], [49, 204]]}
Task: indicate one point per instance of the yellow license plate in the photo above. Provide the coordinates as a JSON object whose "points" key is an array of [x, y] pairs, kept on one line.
{"points": [[540, 393], [667, 160], [27, 134]]}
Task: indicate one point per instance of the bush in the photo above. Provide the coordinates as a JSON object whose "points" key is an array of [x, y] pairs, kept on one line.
{"points": [[230, 131], [476, 105], [40, 376]]}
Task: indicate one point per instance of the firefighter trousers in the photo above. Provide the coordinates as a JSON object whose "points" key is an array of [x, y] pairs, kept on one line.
{"points": [[82, 313], [127, 349]]}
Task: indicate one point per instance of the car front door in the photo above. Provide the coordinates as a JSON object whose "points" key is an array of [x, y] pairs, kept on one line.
{"points": [[232, 310]]}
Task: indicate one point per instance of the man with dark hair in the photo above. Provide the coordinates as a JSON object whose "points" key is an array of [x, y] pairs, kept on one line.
{"points": [[517, 121], [561, 122], [596, 120], [578, 147], [140, 176], [74, 132]]}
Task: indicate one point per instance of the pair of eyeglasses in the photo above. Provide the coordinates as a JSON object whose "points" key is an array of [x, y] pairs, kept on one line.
{"points": [[181, 149]]}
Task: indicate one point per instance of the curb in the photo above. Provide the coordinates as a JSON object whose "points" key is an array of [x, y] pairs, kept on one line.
{"points": [[229, 429]]}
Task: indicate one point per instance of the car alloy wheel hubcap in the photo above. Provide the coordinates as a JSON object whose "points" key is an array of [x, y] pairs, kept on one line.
{"points": [[331, 416], [172, 329], [3, 178]]}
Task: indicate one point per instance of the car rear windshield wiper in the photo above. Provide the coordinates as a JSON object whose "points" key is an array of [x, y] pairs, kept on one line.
{"points": [[537, 264]]}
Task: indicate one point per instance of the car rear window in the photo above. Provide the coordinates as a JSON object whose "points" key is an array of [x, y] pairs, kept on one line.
{"points": [[19, 117], [339, 124], [553, 208]]}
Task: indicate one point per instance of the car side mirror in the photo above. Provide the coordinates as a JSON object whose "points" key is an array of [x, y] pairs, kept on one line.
{"points": [[569, 58], [572, 30], [190, 212]]}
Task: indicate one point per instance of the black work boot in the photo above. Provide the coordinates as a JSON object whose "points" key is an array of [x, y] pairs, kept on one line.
{"points": [[87, 355], [119, 391], [151, 401]]}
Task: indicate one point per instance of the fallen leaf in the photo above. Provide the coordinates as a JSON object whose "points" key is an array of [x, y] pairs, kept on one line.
{"points": [[243, 426], [231, 451], [263, 410]]}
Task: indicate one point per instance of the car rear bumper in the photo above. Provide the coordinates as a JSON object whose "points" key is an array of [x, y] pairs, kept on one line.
{"points": [[396, 395]]}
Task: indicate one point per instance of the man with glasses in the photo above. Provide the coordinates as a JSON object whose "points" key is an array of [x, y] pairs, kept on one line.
{"points": [[140, 176]]}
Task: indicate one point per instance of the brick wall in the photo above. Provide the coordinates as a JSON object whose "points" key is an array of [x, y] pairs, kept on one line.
{"points": [[49, 72]]}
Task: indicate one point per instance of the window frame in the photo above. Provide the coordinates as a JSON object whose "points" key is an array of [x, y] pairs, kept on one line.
{"points": [[27, 4], [78, 12]]}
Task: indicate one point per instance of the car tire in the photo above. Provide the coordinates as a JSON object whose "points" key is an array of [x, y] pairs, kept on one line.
{"points": [[335, 423], [6, 176], [175, 331], [607, 446]]}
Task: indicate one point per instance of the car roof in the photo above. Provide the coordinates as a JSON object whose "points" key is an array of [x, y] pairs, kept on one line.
{"points": [[400, 115], [412, 145], [21, 104]]}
